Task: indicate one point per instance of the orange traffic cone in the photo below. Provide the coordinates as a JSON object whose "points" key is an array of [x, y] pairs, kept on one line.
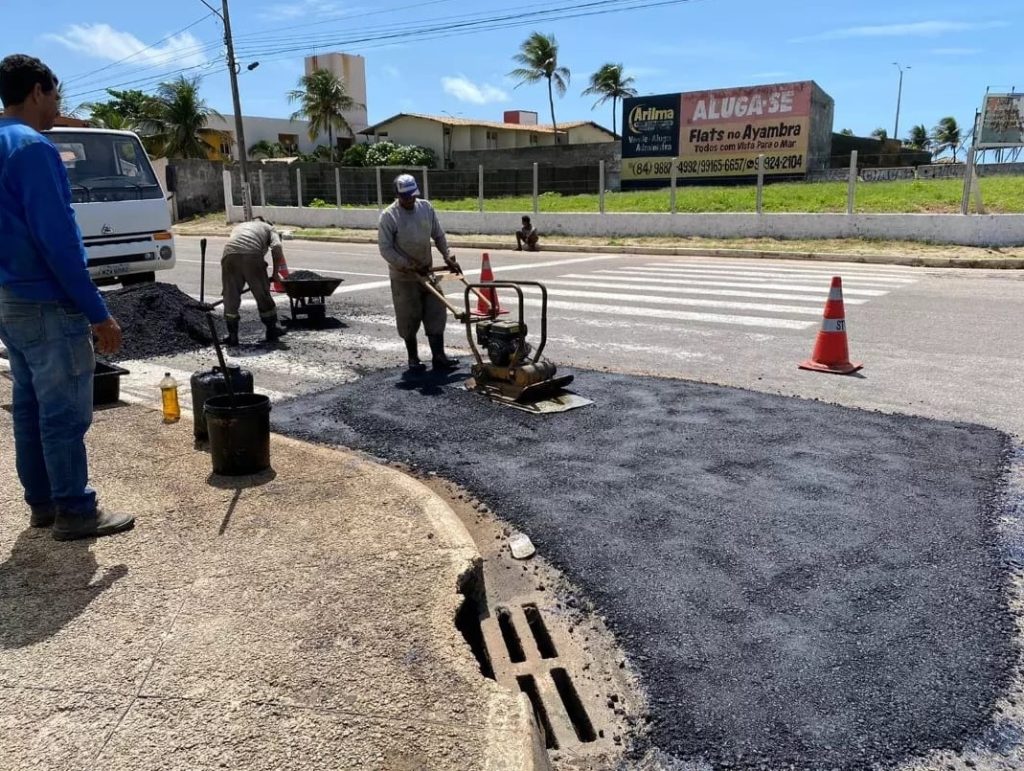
{"points": [[831, 353], [276, 286], [487, 295]]}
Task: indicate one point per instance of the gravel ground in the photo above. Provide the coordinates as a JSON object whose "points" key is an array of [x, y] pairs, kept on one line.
{"points": [[157, 320], [799, 585]]}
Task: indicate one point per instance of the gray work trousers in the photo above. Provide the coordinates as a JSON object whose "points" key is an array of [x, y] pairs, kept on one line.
{"points": [[237, 270], [415, 304]]}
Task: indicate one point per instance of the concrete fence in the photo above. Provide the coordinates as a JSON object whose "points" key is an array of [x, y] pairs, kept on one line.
{"points": [[984, 230]]}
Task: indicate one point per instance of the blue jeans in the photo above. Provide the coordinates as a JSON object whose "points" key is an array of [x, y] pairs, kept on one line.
{"points": [[49, 346]]}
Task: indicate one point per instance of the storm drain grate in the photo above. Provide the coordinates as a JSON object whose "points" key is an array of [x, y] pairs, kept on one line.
{"points": [[545, 645], [528, 685], [513, 644], [573, 706]]}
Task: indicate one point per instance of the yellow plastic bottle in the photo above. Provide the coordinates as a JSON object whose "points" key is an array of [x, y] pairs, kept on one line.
{"points": [[169, 399]]}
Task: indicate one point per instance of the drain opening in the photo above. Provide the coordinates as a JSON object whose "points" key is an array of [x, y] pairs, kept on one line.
{"points": [[529, 686], [467, 621], [509, 634], [573, 706], [545, 645]]}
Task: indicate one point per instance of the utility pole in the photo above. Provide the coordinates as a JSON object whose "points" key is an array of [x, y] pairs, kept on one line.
{"points": [[239, 129], [899, 98]]}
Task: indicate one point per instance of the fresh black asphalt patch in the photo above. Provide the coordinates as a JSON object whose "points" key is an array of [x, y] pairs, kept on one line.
{"points": [[799, 584]]}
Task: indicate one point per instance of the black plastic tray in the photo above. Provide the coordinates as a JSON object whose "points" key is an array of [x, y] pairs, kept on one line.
{"points": [[106, 384]]}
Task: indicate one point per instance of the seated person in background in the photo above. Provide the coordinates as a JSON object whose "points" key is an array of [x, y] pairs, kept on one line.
{"points": [[527, 235]]}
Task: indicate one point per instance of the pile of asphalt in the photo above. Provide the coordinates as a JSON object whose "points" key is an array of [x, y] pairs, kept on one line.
{"points": [[304, 275], [157, 320], [799, 585]]}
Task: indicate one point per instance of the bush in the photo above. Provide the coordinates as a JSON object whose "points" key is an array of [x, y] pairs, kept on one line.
{"points": [[320, 203], [378, 153], [355, 155], [390, 154]]}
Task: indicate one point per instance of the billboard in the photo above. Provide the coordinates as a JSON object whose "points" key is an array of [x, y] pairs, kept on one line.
{"points": [[717, 133], [1002, 121]]}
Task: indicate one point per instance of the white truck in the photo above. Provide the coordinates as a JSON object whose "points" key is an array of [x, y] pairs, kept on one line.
{"points": [[119, 203]]}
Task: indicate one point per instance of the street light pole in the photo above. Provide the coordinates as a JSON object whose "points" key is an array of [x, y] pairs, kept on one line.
{"points": [[239, 128], [899, 99]]}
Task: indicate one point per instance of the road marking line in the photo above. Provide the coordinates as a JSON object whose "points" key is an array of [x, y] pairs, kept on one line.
{"points": [[748, 285], [502, 268], [825, 278], [586, 281], [657, 313], [655, 300], [867, 272], [745, 273], [807, 265]]}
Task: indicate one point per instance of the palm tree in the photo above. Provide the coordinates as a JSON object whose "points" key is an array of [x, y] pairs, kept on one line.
{"points": [[918, 138], [265, 149], [323, 101], [880, 133], [946, 136], [179, 116], [538, 56], [609, 83]]}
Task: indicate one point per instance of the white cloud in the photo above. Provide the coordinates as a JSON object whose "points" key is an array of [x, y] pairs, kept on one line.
{"points": [[303, 9], [912, 29], [955, 51], [465, 90], [102, 41]]}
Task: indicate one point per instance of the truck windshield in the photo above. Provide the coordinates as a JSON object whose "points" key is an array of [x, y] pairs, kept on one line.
{"points": [[106, 167]]}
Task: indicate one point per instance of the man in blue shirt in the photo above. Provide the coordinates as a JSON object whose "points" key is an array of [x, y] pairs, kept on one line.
{"points": [[49, 311]]}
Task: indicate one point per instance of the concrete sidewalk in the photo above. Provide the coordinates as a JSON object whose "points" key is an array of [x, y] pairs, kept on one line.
{"points": [[303, 619]]}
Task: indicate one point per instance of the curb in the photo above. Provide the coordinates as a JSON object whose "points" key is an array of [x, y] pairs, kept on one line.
{"points": [[995, 263]]}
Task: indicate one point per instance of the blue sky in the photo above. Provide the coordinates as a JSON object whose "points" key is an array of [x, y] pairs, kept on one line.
{"points": [[955, 51]]}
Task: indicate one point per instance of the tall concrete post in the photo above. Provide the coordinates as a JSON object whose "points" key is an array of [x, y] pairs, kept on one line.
{"points": [[298, 187], [672, 192], [536, 191], [851, 191], [759, 206], [480, 188], [337, 186], [600, 184]]}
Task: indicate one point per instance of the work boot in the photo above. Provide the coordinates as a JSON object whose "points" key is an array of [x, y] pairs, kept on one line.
{"points": [[43, 516], [274, 332], [415, 365], [232, 338], [70, 527], [439, 358]]}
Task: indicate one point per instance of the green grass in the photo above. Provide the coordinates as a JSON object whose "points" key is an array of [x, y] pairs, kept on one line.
{"points": [[1002, 195]]}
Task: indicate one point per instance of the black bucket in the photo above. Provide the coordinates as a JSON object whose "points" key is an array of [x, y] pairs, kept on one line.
{"points": [[239, 435], [207, 384]]}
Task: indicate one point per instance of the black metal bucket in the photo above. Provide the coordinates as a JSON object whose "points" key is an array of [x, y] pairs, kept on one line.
{"points": [[239, 435], [210, 383]]}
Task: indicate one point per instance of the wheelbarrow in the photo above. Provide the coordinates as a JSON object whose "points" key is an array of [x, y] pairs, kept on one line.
{"points": [[308, 298]]}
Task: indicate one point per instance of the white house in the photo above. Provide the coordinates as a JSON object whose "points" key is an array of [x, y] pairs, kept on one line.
{"points": [[445, 134]]}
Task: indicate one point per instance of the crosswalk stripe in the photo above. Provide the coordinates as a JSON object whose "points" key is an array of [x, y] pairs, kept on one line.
{"points": [[748, 285], [851, 267], [821, 271], [744, 273], [659, 300], [584, 281], [658, 313], [709, 274]]}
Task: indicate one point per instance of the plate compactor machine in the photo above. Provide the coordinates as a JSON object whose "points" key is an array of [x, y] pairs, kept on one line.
{"points": [[507, 369]]}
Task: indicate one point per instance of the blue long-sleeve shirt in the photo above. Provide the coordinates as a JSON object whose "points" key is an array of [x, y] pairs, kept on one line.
{"points": [[42, 256]]}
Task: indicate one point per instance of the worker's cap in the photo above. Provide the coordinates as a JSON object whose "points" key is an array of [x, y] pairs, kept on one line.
{"points": [[405, 185]]}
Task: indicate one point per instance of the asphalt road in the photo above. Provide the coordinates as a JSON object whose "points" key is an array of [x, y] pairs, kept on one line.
{"points": [[758, 556], [936, 342]]}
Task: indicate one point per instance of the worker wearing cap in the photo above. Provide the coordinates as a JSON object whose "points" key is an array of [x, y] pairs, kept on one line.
{"points": [[242, 263], [404, 233]]}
